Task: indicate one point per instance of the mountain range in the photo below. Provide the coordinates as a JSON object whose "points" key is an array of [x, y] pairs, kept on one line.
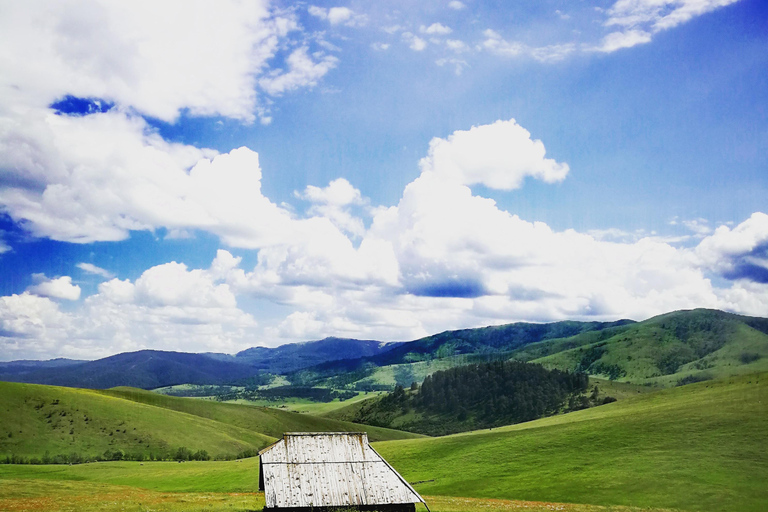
{"points": [[694, 345]]}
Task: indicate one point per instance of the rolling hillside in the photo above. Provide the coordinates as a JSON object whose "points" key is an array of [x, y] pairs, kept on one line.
{"points": [[266, 420], [679, 347], [699, 447], [694, 448], [37, 418], [463, 346]]}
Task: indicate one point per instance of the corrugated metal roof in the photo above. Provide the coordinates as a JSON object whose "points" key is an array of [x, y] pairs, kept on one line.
{"points": [[329, 469]]}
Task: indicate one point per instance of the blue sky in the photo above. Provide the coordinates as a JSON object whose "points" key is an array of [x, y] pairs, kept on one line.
{"points": [[258, 173]]}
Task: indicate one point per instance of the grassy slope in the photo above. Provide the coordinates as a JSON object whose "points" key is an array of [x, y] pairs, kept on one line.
{"points": [[36, 418], [267, 420], [645, 351], [697, 447]]}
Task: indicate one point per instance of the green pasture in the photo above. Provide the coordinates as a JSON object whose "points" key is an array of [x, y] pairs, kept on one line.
{"points": [[270, 421], [35, 419], [697, 447]]}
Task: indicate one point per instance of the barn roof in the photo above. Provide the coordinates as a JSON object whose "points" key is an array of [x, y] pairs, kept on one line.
{"points": [[329, 469]]}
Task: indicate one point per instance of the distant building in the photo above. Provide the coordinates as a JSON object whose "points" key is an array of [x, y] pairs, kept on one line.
{"points": [[320, 470]]}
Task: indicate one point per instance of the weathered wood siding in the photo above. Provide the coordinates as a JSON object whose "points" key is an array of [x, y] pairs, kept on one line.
{"points": [[330, 469]]}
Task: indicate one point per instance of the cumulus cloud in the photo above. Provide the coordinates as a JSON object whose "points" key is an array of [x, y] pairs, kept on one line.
{"points": [[169, 307], [414, 42], [335, 202], [498, 155], [740, 253], [338, 16], [456, 5], [443, 257], [435, 29], [58, 288], [302, 71], [90, 268], [156, 58]]}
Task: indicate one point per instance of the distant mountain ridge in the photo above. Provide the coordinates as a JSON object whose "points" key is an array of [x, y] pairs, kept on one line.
{"points": [[693, 344], [149, 369]]}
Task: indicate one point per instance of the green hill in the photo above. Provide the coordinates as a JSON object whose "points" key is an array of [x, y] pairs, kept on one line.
{"points": [[266, 420], [35, 419], [693, 448], [699, 447], [679, 347]]}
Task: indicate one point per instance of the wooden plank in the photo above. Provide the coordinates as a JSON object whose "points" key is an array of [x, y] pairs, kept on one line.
{"points": [[330, 469]]}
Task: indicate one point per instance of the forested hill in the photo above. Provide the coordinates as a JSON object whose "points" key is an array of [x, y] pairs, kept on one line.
{"points": [[478, 396], [484, 340]]}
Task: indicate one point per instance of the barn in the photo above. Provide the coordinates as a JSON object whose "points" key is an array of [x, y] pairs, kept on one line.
{"points": [[325, 470]]}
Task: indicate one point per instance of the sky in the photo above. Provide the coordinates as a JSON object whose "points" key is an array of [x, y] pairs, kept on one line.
{"points": [[212, 176]]}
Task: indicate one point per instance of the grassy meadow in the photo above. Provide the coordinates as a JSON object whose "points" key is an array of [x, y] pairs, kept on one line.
{"points": [[36, 419], [696, 447], [699, 447]]}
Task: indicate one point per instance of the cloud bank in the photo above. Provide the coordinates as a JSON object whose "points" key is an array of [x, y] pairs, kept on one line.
{"points": [[442, 257]]}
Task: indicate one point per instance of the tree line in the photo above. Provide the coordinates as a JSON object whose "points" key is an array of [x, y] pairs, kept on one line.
{"points": [[479, 396]]}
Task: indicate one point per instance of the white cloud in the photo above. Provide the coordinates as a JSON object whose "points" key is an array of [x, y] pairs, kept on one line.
{"points": [[30, 326], [441, 258], [699, 227], [456, 45], [660, 14], [93, 269], [380, 46], [169, 307], [335, 203], [627, 39], [640, 19], [338, 15], [435, 29], [302, 72], [496, 44], [738, 253], [156, 58], [58, 288], [498, 155], [456, 5], [415, 43], [458, 64]]}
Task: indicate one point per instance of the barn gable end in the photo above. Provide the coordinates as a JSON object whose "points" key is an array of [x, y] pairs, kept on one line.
{"points": [[311, 470]]}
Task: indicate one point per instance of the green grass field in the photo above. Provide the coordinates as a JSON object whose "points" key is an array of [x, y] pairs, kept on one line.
{"points": [[35, 419], [697, 447], [693, 448], [266, 420], [650, 353]]}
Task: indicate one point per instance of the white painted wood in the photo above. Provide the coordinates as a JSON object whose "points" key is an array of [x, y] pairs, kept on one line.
{"points": [[319, 469]]}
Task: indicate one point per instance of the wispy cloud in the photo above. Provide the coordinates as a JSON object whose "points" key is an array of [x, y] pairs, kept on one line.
{"points": [[93, 269]]}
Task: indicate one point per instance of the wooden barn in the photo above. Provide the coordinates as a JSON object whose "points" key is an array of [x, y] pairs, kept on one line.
{"points": [[326, 470]]}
